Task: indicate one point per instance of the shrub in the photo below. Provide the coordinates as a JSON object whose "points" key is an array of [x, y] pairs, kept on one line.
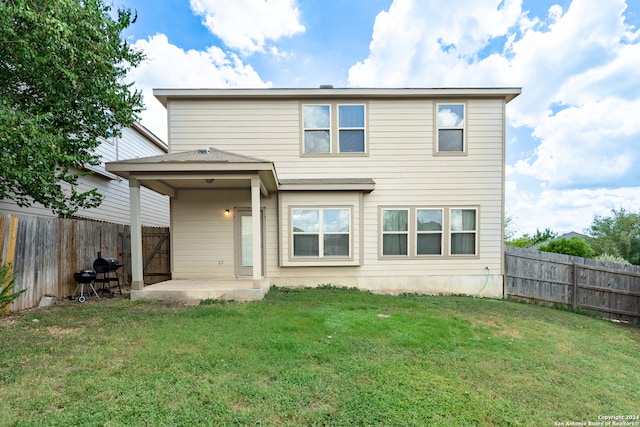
{"points": [[6, 282], [612, 258], [574, 246]]}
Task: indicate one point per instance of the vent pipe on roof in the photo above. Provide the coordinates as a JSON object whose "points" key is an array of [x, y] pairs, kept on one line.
{"points": [[326, 86], [204, 150]]}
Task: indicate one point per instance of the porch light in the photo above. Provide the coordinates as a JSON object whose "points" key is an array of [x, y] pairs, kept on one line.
{"points": [[226, 212]]}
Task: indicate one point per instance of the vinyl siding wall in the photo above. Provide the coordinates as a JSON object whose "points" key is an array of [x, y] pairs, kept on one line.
{"points": [[115, 204], [400, 138]]}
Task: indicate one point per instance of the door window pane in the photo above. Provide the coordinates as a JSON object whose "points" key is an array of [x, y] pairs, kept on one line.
{"points": [[246, 225]]}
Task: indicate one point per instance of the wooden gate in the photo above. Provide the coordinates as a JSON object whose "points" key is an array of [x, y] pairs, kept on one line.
{"points": [[155, 253]]}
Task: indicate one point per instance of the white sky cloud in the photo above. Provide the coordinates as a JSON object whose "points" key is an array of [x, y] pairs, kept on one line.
{"points": [[248, 25], [579, 74], [566, 210], [168, 66], [574, 129]]}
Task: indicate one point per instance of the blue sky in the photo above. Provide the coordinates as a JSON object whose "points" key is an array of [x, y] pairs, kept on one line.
{"points": [[573, 136]]}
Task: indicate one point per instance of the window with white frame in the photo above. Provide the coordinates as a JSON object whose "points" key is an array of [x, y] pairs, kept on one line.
{"points": [[351, 128], [429, 231], [321, 232], [464, 226], [450, 128], [317, 128], [321, 136], [395, 232]]}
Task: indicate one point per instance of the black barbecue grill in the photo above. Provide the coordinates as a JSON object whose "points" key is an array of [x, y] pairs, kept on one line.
{"points": [[107, 272], [84, 277]]}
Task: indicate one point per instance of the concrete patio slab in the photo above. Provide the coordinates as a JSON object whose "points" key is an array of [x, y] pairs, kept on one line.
{"points": [[184, 290]]}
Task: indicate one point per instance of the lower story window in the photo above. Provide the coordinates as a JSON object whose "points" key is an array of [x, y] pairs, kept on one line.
{"points": [[322, 232], [463, 231], [428, 232], [395, 231]]}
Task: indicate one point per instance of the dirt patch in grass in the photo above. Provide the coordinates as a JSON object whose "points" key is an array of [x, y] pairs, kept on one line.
{"points": [[499, 330], [58, 331]]}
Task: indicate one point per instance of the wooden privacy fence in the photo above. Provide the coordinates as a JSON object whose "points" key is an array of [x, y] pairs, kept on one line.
{"points": [[45, 252], [611, 290]]}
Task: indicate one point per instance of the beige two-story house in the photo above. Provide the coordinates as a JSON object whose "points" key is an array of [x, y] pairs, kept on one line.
{"points": [[389, 190]]}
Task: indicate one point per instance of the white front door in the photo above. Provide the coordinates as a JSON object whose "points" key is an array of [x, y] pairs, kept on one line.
{"points": [[244, 243]]}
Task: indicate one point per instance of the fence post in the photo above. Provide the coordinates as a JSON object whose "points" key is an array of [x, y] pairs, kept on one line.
{"points": [[574, 296]]}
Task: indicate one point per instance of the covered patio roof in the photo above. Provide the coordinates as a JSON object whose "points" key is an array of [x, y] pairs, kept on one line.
{"points": [[210, 168], [205, 168]]}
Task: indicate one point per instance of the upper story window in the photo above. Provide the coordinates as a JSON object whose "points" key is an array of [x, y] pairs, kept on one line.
{"points": [[334, 129], [317, 128], [450, 134], [322, 232]]}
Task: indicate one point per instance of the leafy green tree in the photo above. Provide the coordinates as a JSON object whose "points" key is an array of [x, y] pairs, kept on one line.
{"points": [[509, 228], [527, 240], [574, 246], [618, 235], [62, 86]]}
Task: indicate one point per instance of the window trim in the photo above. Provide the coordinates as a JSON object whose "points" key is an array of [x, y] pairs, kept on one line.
{"points": [[436, 127], [475, 231], [412, 240], [442, 231], [321, 233], [395, 232], [334, 130], [305, 129]]}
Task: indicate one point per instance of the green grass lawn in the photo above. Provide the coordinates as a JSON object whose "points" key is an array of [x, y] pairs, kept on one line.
{"points": [[315, 357]]}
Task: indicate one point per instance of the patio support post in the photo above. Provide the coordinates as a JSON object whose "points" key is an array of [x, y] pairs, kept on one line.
{"points": [[257, 232], [137, 280]]}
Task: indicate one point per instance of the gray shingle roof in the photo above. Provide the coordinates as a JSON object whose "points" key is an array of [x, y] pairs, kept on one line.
{"points": [[197, 156]]}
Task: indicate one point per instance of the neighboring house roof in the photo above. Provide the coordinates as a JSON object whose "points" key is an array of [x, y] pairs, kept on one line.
{"points": [[567, 236], [468, 93], [571, 234], [150, 136]]}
